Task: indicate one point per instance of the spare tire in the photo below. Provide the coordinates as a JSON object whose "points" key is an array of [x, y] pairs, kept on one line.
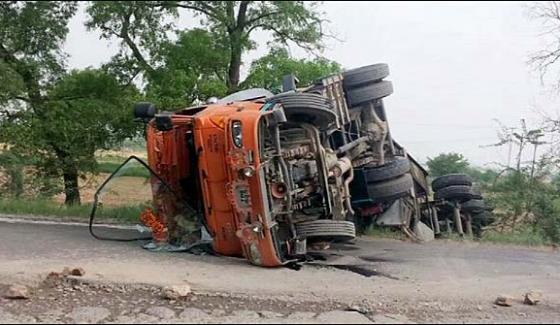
{"points": [[390, 190], [326, 229], [455, 193], [368, 93], [364, 75], [307, 108], [392, 169], [451, 179]]}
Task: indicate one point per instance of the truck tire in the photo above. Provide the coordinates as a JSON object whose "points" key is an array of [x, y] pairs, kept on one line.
{"points": [[364, 75], [451, 179], [483, 219], [473, 206], [144, 111], [307, 107], [368, 93], [326, 229], [477, 194], [394, 168], [391, 189], [455, 193]]}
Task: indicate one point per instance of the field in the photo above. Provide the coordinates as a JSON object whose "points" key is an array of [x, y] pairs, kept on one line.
{"points": [[122, 199]]}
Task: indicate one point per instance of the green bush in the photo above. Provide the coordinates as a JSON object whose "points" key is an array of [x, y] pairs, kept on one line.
{"points": [[524, 237]]}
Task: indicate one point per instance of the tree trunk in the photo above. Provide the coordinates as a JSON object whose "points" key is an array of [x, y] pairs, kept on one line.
{"points": [[71, 189], [235, 61]]}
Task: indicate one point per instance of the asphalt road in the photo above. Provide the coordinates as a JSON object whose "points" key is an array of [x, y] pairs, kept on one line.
{"points": [[438, 281]]}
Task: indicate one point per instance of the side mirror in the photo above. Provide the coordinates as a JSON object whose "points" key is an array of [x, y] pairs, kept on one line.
{"points": [[144, 111]]}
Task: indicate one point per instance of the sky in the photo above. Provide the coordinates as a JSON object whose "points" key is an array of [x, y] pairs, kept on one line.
{"points": [[456, 68]]}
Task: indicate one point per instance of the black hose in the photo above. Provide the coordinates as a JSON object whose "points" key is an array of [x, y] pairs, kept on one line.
{"points": [[96, 200]]}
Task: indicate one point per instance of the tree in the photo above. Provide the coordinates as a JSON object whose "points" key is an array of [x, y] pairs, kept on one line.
{"points": [[140, 26], [447, 163], [267, 72], [194, 68], [31, 60], [86, 111], [548, 14]]}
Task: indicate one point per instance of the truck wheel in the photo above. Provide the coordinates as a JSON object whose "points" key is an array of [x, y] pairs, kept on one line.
{"points": [[390, 190], [451, 179], [326, 229], [308, 108], [369, 93], [364, 75], [483, 219], [390, 170], [473, 206], [144, 111], [455, 192], [477, 194]]}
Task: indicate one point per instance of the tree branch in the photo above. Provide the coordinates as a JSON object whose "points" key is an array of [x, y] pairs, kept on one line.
{"points": [[130, 43], [209, 11], [242, 15], [253, 20]]}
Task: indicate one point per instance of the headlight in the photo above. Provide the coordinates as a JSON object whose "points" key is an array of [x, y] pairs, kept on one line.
{"points": [[237, 134], [248, 172]]}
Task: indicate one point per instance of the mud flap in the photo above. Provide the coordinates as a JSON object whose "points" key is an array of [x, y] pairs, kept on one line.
{"points": [[400, 213], [423, 232]]}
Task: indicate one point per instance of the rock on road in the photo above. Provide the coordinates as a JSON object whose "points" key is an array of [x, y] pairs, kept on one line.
{"points": [[406, 282]]}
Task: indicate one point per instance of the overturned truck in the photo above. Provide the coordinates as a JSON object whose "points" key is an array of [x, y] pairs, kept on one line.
{"points": [[265, 175]]}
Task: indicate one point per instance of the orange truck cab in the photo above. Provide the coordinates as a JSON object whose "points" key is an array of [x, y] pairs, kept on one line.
{"points": [[267, 174], [259, 173]]}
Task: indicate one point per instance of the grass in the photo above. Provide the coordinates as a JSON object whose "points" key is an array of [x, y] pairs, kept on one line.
{"points": [[133, 169], [124, 214], [384, 232], [524, 237]]}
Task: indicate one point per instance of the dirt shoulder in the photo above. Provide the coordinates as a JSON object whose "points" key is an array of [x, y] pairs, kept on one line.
{"points": [[429, 282]]}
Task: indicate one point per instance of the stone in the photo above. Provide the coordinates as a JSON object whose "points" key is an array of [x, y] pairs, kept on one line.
{"points": [[504, 301], [17, 291], [532, 298], [176, 292], [78, 272], [89, 315], [53, 279], [360, 309]]}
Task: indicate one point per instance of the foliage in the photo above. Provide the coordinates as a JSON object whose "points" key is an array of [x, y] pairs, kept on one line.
{"points": [[84, 111], [268, 71], [547, 214], [142, 27], [447, 163], [523, 236], [12, 166], [194, 68]]}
